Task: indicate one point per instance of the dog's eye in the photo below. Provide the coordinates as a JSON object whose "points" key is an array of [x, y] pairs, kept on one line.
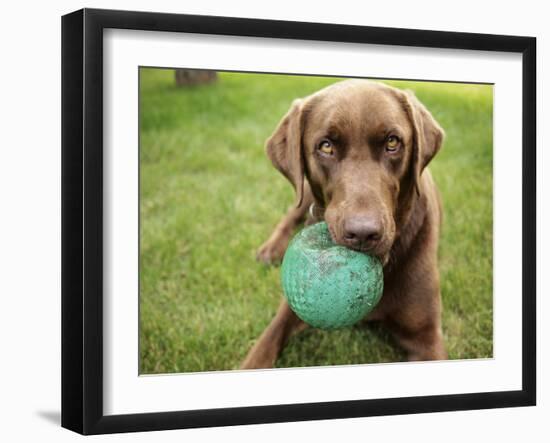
{"points": [[392, 143], [326, 147]]}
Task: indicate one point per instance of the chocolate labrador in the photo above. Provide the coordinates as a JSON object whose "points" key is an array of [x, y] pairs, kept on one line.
{"points": [[356, 153]]}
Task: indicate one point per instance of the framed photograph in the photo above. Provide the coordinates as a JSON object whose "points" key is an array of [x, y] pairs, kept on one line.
{"points": [[269, 221]]}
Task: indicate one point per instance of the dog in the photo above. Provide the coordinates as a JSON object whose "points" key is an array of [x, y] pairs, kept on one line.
{"points": [[356, 154]]}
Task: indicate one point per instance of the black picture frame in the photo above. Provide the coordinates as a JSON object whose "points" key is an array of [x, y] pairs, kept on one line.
{"points": [[82, 218]]}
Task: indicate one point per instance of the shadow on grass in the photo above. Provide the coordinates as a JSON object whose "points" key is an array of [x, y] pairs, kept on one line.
{"points": [[350, 346]]}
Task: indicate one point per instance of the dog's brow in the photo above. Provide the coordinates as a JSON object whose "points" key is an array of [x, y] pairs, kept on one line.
{"points": [[386, 130], [334, 131], [394, 130]]}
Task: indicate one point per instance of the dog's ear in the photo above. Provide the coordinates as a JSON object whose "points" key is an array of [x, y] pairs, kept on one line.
{"points": [[284, 148], [427, 135]]}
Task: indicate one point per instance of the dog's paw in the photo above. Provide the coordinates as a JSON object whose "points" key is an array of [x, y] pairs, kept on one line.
{"points": [[272, 252]]}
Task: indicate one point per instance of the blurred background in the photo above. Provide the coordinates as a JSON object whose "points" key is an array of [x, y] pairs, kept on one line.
{"points": [[209, 197]]}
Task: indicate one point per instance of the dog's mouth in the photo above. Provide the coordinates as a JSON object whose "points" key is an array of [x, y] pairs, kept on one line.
{"points": [[381, 252], [383, 256]]}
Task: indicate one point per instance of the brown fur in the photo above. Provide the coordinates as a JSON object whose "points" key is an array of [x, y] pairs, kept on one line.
{"points": [[362, 188]]}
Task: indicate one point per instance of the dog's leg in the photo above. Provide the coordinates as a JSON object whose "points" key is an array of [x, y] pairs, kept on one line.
{"points": [[425, 343], [273, 250], [268, 347], [418, 331]]}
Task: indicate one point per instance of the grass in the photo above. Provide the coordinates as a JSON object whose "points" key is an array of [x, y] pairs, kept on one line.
{"points": [[209, 197]]}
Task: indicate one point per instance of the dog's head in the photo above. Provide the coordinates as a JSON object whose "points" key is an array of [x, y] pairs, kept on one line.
{"points": [[362, 146]]}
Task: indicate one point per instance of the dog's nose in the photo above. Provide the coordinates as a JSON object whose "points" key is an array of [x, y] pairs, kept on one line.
{"points": [[362, 232]]}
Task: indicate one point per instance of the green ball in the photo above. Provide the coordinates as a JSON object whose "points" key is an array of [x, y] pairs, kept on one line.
{"points": [[329, 286]]}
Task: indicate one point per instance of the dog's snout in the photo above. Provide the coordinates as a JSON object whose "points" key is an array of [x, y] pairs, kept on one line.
{"points": [[362, 232]]}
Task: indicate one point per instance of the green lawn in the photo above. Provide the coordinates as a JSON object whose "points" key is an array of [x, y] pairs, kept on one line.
{"points": [[209, 197]]}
